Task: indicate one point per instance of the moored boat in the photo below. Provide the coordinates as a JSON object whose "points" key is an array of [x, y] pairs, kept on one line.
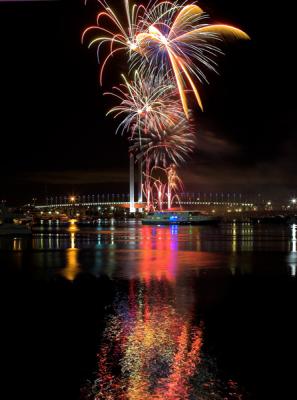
{"points": [[10, 229], [179, 218]]}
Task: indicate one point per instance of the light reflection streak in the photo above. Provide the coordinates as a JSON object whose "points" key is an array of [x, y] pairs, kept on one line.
{"points": [[17, 244], [50, 241], [57, 241], [247, 233], [234, 237], [293, 254], [72, 263], [294, 241]]}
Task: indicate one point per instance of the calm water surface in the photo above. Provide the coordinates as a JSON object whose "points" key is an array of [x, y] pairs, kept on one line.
{"points": [[159, 312]]}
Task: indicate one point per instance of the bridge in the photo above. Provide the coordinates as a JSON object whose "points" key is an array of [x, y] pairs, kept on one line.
{"points": [[124, 200], [124, 204], [119, 205]]}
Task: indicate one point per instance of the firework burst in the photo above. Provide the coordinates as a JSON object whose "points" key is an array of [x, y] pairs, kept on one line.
{"points": [[145, 105], [163, 147], [112, 32], [174, 184], [160, 191], [170, 35], [180, 38]]}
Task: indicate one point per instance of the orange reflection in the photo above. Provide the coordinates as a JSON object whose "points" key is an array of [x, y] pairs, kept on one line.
{"points": [[17, 244], [72, 264], [159, 253]]}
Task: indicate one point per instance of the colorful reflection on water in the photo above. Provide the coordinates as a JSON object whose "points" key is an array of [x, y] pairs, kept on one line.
{"points": [[152, 347], [155, 342], [128, 250], [149, 350]]}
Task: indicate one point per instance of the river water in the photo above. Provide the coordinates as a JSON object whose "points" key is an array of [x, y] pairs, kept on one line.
{"points": [[125, 311]]}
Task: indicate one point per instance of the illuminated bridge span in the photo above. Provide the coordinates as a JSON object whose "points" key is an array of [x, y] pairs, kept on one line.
{"points": [[123, 200], [220, 203], [125, 204], [121, 204]]}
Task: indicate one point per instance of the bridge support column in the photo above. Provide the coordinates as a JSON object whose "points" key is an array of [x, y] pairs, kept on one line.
{"points": [[132, 183], [140, 180]]}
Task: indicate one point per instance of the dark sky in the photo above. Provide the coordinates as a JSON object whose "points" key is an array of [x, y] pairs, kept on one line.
{"points": [[55, 137]]}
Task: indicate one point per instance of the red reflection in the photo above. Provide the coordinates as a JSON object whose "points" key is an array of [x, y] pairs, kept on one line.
{"points": [[159, 253], [166, 250]]}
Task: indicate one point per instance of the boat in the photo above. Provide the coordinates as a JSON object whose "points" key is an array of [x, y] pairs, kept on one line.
{"points": [[10, 229], [13, 225], [179, 218]]}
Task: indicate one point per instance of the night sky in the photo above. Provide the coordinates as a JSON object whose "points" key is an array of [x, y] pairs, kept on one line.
{"points": [[55, 138]]}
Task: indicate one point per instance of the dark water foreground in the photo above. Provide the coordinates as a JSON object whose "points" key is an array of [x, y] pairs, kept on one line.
{"points": [[132, 312]]}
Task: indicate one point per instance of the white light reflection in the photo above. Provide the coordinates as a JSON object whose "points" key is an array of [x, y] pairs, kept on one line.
{"points": [[50, 241], [247, 233], [294, 241], [72, 240], [234, 237], [293, 255]]}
